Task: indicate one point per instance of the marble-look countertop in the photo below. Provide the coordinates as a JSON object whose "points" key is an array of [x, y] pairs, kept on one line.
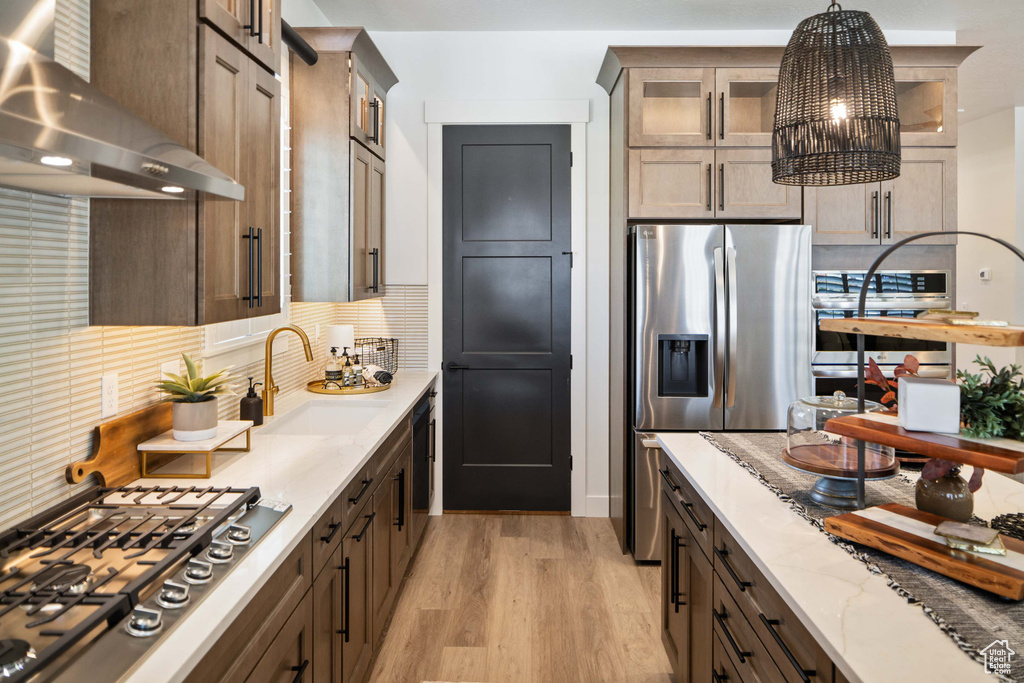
{"points": [[870, 632], [308, 472]]}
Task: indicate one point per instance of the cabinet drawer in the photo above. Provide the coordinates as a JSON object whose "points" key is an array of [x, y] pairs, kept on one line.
{"points": [[388, 452], [326, 534], [691, 507], [358, 491], [744, 649], [724, 670], [794, 650], [290, 655], [235, 654]]}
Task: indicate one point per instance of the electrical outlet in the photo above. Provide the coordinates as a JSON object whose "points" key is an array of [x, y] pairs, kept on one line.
{"points": [[985, 274], [108, 395], [171, 366]]}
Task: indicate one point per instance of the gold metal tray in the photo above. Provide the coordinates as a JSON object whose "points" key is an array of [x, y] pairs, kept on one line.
{"points": [[317, 387]]}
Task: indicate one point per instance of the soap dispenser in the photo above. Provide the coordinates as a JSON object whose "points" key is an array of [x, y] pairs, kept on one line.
{"points": [[251, 405]]}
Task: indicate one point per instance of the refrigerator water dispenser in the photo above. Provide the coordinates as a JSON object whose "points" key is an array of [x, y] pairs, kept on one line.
{"points": [[683, 365]]}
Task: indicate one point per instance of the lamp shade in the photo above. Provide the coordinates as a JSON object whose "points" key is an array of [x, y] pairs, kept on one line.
{"points": [[836, 121], [341, 337]]}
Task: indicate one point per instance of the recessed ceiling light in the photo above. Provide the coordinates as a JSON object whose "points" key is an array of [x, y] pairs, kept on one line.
{"points": [[56, 161], [173, 189]]}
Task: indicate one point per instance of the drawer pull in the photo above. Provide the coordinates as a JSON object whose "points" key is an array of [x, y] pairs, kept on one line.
{"points": [[720, 618], [668, 480], [362, 491], [301, 669], [719, 677], [335, 528], [770, 624], [677, 543], [344, 631], [686, 506], [369, 520], [743, 585]]}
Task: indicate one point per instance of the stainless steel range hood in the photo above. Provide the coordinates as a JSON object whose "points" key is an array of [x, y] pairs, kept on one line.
{"points": [[60, 135]]}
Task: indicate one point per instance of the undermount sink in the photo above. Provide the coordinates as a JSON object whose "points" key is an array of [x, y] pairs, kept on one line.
{"points": [[327, 418]]}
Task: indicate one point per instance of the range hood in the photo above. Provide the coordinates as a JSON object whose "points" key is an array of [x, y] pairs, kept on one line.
{"points": [[60, 135]]}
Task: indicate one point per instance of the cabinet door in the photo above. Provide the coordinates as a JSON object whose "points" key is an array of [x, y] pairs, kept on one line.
{"points": [[290, 655], [224, 246], [671, 183], [926, 100], [329, 620], [674, 615], [671, 107], [381, 580], [377, 228], [923, 198], [699, 588], [361, 216], [746, 190], [849, 214], [367, 113], [231, 17], [261, 177], [357, 560], [746, 106], [264, 40], [401, 531]]}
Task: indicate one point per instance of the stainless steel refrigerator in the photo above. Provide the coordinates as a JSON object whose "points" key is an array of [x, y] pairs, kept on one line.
{"points": [[720, 338]]}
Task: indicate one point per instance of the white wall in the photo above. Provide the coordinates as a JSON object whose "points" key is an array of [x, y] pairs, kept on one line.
{"points": [[303, 13], [523, 65], [991, 172]]}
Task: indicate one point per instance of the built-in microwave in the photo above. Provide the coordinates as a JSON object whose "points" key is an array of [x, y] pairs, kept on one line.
{"points": [[891, 293]]}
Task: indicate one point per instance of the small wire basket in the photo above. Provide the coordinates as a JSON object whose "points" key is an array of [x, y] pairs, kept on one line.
{"points": [[379, 351]]}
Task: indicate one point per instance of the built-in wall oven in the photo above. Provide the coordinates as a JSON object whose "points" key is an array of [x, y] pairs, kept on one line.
{"points": [[891, 293]]}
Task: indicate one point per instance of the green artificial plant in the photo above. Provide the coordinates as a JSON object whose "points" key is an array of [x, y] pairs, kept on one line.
{"points": [[992, 402], [192, 388]]}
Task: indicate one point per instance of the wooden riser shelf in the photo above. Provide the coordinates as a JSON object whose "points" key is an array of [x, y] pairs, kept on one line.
{"points": [[998, 455], [928, 330]]}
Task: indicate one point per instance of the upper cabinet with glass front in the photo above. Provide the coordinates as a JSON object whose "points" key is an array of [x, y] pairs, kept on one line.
{"points": [[746, 105], [368, 106], [671, 107], [926, 99]]}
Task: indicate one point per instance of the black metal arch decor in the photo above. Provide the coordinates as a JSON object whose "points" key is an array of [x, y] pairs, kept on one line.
{"points": [[836, 121], [862, 312]]}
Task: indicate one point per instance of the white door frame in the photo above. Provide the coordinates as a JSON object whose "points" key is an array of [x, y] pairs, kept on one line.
{"points": [[576, 113]]}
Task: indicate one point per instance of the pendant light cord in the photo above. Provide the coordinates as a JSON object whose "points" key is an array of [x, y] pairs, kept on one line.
{"points": [[834, 7]]}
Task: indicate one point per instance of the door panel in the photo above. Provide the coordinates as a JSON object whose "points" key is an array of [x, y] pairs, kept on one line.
{"points": [[380, 589], [506, 317], [770, 323], [849, 214], [926, 99], [328, 620], [746, 190], [674, 613], [261, 170], [229, 16], [265, 45], [671, 107], [222, 119], [362, 166], [376, 230], [671, 183], [746, 106], [923, 198], [356, 642]]}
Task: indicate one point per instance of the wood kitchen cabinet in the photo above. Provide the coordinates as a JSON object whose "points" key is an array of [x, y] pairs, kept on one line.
{"points": [[254, 25], [357, 641], [746, 105], [201, 259], [926, 99], [290, 655], [671, 107], [401, 517], [338, 169], [745, 187]]}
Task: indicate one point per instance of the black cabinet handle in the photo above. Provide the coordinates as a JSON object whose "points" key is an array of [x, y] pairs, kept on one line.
{"points": [[719, 677], [251, 299], [369, 520], [362, 491], [770, 624], [721, 187], [709, 188], [260, 32], [668, 480], [743, 585], [888, 215], [874, 215], [452, 367], [720, 618], [375, 255], [677, 594], [335, 528], [686, 506], [432, 456], [709, 115], [375, 108], [400, 478], [259, 267], [721, 116], [252, 19], [301, 669], [344, 568]]}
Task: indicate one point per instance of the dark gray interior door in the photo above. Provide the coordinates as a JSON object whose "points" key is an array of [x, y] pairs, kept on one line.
{"points": [[506, 317]]}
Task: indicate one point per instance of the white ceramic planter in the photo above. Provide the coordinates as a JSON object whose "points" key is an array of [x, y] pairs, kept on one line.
{"points": [[194, 421]]}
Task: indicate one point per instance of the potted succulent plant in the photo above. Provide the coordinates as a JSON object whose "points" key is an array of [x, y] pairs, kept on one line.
{"points": [[194, 400]]}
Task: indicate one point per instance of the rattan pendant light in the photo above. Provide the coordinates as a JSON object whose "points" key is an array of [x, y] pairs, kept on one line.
{"points": [[835, 119]]}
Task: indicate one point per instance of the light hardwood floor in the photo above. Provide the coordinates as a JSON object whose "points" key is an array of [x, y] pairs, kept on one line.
{"points": [[538, 598]]}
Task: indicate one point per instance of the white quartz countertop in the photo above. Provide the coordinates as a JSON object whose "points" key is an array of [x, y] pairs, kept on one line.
{"points": [[308, 472], [870, 632]]}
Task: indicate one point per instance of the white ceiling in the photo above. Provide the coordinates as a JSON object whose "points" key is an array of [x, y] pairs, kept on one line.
{"points": [[991, 80]]}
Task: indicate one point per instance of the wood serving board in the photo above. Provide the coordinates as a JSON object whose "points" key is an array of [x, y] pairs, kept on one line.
{"points": [[930, 330], [115, 455], [998, 455], [991, 573]]}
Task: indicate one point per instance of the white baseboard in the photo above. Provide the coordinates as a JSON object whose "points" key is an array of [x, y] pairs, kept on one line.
{"points": [[597, 506]]}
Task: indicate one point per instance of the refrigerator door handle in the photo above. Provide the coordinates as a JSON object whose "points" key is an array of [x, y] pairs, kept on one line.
{"points": [[730, 395], [720, 308]]}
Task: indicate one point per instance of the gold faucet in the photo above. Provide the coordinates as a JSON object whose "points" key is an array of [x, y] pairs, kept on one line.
{"points": [[269, 388]]}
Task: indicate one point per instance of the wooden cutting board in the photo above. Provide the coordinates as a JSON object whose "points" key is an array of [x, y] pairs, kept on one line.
{"points": [[115, 455], [906, 533]]}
